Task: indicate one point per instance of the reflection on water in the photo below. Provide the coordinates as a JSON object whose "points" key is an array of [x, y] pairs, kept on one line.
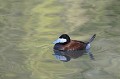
{"points": [[28, 29], [67, 55]]}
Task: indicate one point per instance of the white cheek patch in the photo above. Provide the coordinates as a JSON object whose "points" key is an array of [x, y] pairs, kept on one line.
{"points": [[60, 40]]}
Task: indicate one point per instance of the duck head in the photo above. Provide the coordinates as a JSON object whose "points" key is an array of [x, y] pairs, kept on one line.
{"points": [[63, 39]]}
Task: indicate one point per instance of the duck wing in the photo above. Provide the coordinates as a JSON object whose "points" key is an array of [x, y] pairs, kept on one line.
{"points": [[74, 45]]}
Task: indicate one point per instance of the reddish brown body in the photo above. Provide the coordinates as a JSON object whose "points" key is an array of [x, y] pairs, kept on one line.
{"points": [[74, 45]]}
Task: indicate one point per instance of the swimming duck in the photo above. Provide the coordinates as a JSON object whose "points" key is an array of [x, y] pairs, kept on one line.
{"points": [[65, 48]]}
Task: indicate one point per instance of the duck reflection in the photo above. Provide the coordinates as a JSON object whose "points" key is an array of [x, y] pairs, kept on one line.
{"points": [[66, 56]]}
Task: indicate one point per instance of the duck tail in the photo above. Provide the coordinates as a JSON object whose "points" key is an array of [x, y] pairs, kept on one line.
{"points": [[92, 38]]}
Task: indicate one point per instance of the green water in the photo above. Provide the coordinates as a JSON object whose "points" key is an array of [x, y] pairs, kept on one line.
{"points": [[28, 28]]}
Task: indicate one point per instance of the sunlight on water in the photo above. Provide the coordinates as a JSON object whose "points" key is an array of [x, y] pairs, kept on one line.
{"points": [[28, 29]]}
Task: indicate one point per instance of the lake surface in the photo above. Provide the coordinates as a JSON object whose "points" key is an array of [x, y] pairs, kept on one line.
{"points": [[28, 28]]}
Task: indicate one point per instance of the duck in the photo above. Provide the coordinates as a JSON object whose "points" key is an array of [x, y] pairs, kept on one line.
{"points": [[66, 49]]}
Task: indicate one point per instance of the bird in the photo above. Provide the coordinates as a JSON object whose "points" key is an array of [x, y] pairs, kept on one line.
{"points": [[66, 49]]}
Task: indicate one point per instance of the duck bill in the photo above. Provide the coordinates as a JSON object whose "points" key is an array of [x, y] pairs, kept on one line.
{"points": [[60, 40], [56, 41]]}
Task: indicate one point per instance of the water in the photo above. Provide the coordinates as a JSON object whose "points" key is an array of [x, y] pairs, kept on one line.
{"points": [[28, 28]]}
